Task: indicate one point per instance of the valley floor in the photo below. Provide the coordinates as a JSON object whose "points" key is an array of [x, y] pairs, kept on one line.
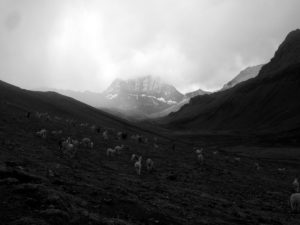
{"points": [[92, 188]]}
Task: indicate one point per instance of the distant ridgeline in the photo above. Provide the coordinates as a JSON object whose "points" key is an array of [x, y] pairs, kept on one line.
{"points": [[268, 102]]}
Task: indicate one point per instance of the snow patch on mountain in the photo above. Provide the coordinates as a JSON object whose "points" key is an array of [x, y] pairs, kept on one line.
{"points": [[111, 96]]}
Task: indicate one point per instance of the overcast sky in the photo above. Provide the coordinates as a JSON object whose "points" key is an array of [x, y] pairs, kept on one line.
{"points": [[85, 45]]}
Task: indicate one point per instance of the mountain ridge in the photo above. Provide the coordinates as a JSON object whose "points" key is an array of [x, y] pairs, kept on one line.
{"points": [[252, 104], [245, 74], [193, 94], [288, 53]]}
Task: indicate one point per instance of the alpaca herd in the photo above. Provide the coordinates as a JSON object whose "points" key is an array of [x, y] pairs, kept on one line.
{"points": [[134, 158], [69, 147], [138, 164]]}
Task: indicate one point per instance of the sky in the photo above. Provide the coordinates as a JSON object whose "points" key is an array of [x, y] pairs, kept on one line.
{"points": [[85, 44]]}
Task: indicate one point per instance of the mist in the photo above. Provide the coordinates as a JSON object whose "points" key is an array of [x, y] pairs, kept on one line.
{"points": [[85, 45]]}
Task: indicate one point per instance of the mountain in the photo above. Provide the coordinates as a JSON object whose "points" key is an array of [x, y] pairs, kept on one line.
{"points": [[268, 102], [133, 98], [143, 95], [246, 74]]}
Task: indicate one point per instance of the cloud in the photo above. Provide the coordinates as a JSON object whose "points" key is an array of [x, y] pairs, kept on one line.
{"points": [[85, 45]]}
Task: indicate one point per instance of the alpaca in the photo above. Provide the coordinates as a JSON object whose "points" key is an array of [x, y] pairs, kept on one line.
{"points": [[149, 164], [138, 166]]}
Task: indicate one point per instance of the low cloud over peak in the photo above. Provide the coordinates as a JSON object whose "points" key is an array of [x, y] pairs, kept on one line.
{"points": [[85, 45]]}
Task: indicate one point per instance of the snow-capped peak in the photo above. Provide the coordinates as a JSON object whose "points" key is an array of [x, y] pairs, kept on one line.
{"points": [[146, 94], [148, 85]]}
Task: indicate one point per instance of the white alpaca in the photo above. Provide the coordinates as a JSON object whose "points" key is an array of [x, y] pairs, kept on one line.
{"points": [[200, 158], [86, 142], [57, 118], [83, 124], [42, 133], [119, 134], [138, 166], [295, 202], [118, 149], [296, 185], [68, 148], [149, 164], [199, 151], [66, 145], [110, 152], [105, 135], [75, 143], [91, 145], [93, 127], [134, 157], [237, 159]]}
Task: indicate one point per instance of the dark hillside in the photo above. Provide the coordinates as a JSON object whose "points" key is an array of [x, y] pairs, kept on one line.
{"points": [[269, 102], [55, 104]]}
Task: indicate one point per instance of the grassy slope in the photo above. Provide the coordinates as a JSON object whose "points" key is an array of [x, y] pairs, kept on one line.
{"points": [[95, 189]]}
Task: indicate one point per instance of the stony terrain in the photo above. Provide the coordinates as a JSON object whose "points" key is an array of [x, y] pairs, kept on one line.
{"points": [[41, 185]]}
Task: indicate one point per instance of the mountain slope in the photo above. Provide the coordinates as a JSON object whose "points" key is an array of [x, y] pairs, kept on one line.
{"points": [[173, 108], [12, 97], [193, 94], [246, 74], [269, 101], [88, 97], [287, 54]]}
